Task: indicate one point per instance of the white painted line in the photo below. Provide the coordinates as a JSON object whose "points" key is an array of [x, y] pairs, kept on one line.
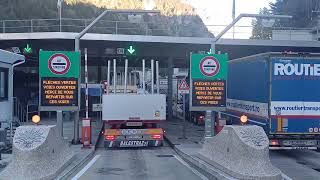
{"points": [[77, 176], [111, 143], [191, 168], [286, 177]]}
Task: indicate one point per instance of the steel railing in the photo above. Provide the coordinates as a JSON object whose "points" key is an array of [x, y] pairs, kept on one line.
{"points": [[19, 111], [141, 28], [76, 25], [32, 109]]}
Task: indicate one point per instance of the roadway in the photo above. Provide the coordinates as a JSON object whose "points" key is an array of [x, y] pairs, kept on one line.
{"points": [[163, 163], [137, 164], [297, 164]]}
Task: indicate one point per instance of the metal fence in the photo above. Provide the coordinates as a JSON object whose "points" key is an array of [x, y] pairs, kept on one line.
{"points": [[77, 25], [146, 28], [277, 33]]}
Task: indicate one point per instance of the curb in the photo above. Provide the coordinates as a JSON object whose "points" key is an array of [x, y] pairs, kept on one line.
{"points": [[206, 169], [67, 174]]}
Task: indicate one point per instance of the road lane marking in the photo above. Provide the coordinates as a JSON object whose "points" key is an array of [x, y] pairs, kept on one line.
{"points": [[191, 168], [77, 176], [285, 176]]}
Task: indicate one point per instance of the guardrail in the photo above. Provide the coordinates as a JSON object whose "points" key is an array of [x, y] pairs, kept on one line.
{"points": [[279, 33], [77, 25], [141, 28]]}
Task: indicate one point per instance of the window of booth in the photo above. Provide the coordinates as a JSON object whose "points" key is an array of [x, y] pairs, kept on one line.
{"points": [[3, 84]]}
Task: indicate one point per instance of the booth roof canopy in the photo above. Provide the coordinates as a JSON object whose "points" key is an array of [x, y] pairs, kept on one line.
{"points": [[9, 57]]}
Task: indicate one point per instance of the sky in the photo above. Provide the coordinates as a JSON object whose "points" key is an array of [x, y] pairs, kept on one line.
{"points": [[219, 12]]}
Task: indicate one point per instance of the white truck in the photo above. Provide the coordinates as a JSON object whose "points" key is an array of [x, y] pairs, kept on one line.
{"points": [[132, 119]]}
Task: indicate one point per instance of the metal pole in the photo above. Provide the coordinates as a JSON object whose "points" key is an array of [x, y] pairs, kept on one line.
{"points": [[114, 76], [143, 74], [209, 128], [31, 24], [152, 76], [157, 76], [233, 14], [27, 120], [86, 80], [184, 118], [108, 76], [4, 26], [83, 32], [130, 78], [60, 123], [60, 15], [125, 76], [170, 87], [100, 100]]}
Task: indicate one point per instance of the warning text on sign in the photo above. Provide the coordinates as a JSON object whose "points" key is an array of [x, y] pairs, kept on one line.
{"points": [[59, 91], [209, 93]]}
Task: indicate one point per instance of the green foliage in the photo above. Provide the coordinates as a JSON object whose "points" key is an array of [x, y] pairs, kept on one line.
{"points": [[305, 14], [259, 31], [301, 10]]}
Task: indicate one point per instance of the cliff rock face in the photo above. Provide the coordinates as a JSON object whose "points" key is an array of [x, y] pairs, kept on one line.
{"points": [[176, 19]]}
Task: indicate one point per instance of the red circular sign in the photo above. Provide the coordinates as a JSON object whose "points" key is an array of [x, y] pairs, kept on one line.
{"points": [[209, 66], [59, 64]]}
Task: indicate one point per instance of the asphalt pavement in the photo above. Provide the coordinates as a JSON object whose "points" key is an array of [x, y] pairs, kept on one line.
{"points": [[296, 164], [165, 163], [156, 163]]}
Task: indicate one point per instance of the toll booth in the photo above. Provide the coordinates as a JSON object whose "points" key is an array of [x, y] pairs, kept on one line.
{"points": [[8, 61]]}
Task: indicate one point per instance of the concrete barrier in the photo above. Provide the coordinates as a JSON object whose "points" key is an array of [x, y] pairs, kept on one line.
{"points": [[242, 152], [38, 153]]}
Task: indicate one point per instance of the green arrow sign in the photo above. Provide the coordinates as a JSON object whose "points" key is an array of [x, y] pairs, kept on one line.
{"points": [[131, 50], [27, 49]]}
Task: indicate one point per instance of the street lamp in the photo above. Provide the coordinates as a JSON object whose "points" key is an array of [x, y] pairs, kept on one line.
{"points": [[124, 11], [77, 49], [215, 39]]}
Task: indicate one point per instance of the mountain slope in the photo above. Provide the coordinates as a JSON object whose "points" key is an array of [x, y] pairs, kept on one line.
{"points": [[177, 18]]}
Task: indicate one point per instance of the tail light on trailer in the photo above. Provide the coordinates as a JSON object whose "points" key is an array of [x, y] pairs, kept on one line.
{"points": [[156, 136], [274, 142], [110, 137]]}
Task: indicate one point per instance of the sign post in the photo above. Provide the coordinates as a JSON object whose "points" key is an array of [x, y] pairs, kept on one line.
{"points": [[184, 89], [58, 85], [208, 86]]}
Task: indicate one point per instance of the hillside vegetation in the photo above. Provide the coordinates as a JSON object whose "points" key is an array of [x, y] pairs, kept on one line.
{"points": [[177, 18]]}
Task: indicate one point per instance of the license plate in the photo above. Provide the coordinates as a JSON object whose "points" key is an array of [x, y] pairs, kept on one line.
{"points": [[299, 143], [134, 137], [134, 123], [133, 143]]}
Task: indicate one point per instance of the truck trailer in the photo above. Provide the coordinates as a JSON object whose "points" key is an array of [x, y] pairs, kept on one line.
{"points": [[279, 92], [132, 119]]}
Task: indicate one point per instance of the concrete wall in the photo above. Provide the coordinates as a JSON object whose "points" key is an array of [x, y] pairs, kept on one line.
{"points": [[297, 35]]}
